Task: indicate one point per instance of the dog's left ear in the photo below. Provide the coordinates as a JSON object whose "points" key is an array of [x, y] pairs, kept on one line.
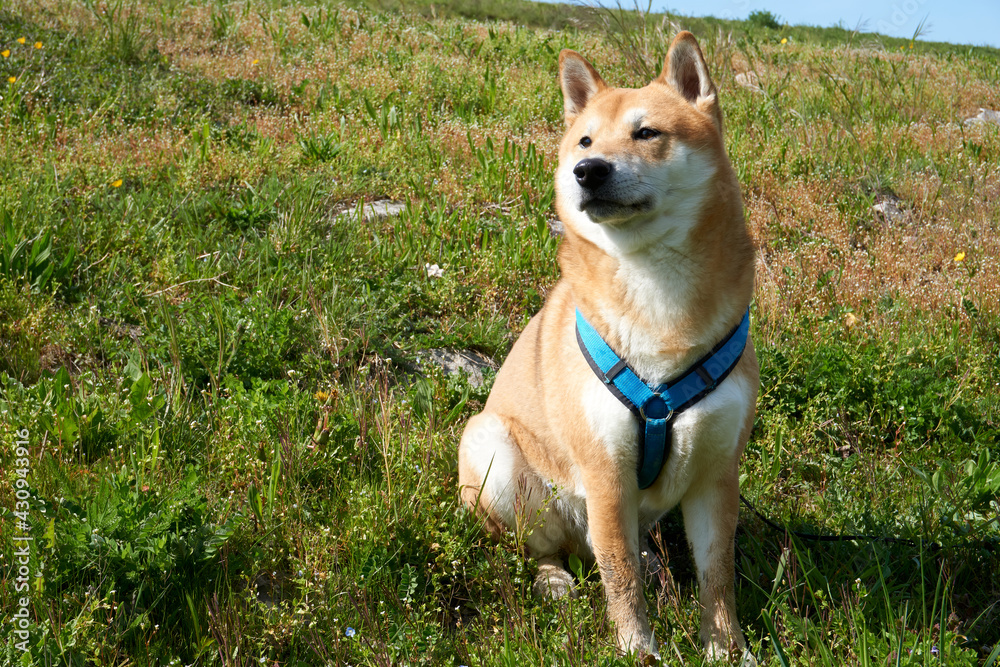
{"points": [[686, 72]]}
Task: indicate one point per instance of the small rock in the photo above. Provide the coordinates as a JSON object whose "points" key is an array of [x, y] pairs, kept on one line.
{"points": [[383, 208], [375, 210], [273, 588], [887, 207], [453, 361], [750, 81], [120, 329], [984, 116]]}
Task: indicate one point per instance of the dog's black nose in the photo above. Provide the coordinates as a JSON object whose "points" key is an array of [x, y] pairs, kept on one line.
{"points": [[592, 172]]}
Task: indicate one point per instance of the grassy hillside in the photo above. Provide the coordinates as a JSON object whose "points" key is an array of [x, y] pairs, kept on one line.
{"points": [[214, 431]]}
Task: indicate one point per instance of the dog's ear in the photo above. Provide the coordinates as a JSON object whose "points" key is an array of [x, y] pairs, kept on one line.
{"points": [[579, 81], [686, 72]]}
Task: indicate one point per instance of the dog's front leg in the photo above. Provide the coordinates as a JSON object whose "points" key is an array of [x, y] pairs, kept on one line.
{"points": [[710, 514], [614, 533]]}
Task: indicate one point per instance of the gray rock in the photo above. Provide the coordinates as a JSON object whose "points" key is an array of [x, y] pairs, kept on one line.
{"points": [[984, 116], [120, 329], [274, 588], [458, 361], [887, 208], [383, 208], [372, 211]]}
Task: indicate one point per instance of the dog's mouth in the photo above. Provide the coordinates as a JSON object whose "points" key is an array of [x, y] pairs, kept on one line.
{"points": [[601, 210]]}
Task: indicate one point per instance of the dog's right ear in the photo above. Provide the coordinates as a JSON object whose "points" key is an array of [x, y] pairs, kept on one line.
{"points": [[579, 81]]}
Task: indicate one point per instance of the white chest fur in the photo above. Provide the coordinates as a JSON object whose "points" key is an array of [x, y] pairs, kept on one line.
{"points": [[701, 436]]}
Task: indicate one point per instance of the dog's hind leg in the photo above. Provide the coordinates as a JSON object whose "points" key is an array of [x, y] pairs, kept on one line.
{"points": [[486, 461], [497, 483]]}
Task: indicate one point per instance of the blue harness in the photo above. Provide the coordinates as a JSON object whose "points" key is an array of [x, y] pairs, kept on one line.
{"points": [[656, 406]]}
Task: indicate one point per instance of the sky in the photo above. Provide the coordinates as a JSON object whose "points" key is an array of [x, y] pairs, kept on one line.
{"points": [[975, 22]]}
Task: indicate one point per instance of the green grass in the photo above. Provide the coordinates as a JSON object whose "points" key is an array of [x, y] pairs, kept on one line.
{"points": [[232, 460]]}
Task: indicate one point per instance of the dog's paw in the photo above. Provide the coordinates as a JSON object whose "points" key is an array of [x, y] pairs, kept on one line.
{"points": [[651, 656], [553, 582], [650, 659], [642, 646], [742, 657]]}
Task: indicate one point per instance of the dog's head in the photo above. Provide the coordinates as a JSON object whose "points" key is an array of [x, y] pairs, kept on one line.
{"points": [[637, 164]]}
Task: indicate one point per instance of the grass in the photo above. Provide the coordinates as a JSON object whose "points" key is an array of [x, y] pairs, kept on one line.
{"points": [[231, 459]]}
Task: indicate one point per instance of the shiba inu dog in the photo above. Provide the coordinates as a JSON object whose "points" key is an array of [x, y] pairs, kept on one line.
{"points": [[633, 389]]}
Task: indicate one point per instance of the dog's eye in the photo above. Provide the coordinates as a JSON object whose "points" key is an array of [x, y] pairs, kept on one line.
{"points": [[585, 142], [645, 133]]}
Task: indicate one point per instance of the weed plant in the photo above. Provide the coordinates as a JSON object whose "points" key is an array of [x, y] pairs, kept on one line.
{"points": [[237, 455]]}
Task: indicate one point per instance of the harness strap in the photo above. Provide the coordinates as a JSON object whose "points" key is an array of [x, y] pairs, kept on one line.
{"points": [[656, 406]]}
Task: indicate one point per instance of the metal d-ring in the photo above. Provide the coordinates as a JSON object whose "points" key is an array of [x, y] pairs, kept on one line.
{"points": [[642, 408]]}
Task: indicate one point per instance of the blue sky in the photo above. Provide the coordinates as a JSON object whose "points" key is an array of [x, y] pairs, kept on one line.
{"points": [[970, 22]]}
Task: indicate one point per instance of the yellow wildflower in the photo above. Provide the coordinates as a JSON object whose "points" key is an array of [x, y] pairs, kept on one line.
{"points": [[11, 79], [850, 320], [255, 61], [5, 53], [38, 45], [22, 40], [321, 396], [784, 40], [117, 184], [959, 257]]}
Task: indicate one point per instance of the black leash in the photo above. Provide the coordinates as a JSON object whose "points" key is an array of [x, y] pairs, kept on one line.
{"points": [[812, 537]]}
